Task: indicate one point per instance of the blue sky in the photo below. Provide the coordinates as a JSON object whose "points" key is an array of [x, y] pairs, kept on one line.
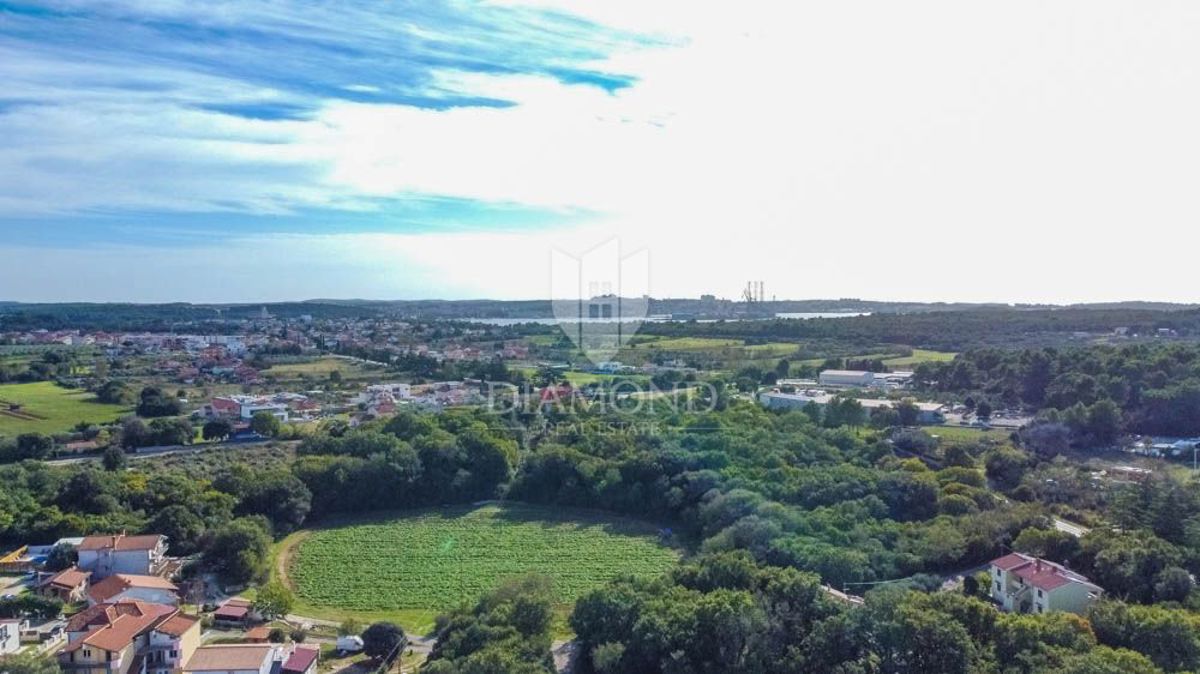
{"points": [[250, 150], [242, 71]]}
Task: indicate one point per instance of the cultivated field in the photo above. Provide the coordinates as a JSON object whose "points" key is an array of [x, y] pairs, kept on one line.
{"points": [[321, 368], [413, 566], [920, 356], [45, 407]]}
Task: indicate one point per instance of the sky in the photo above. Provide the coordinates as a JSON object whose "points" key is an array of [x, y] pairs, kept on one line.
{"points": [[265, 150]]}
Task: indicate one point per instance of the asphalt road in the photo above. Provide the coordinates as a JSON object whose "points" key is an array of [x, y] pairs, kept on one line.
{"points": [[166, 451]]}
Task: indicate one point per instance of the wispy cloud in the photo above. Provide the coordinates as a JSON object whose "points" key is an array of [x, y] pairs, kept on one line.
{"points": [[162, 106], [936, 145]]}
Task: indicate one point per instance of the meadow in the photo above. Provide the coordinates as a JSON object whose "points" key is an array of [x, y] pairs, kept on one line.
{"points": [[45, 407], [321, 369], [410, 566], [920, 356]]}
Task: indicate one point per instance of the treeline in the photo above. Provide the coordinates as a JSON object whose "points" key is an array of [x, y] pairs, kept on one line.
{"points": [[946, 330], [159, 317], [725, 613], [1143, 388], [50, 365], [226, 510], [507, 632], [411, 460]]}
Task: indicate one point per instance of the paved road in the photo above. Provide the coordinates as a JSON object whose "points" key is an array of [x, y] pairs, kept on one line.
{"points": [[1075, 530], [167, 451]]}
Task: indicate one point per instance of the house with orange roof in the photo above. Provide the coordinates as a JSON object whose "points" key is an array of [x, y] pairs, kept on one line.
{"points": [[152, 589], [1026, 584], [69, 585], [118, 553], [128, 637]]}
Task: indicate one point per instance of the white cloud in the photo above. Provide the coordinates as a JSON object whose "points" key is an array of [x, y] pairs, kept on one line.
{"points": [[922, 150]]}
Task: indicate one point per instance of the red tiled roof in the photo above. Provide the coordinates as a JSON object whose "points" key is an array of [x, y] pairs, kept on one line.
{"points": [[1039, 573], [115, 585], [177, 624], [112, 627], [69, 579], [229, 657], [1011, 561], [232, 611], [120, 542], [300, 659]]}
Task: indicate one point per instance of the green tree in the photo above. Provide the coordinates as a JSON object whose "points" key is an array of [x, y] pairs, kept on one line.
{"points": [[274, 600], [34, 446], [983, 410], [238, 552], [114, 459], [153, 402], [265, 424], [384, 642], [28, 663], [217, 429]]}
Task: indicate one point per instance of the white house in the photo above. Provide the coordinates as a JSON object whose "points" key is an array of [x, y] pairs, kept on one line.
{"points": [[10, 636], [1026, 584], [233, 659], [136, 555]]}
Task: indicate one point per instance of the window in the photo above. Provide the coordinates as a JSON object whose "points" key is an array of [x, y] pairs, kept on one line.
{"points": [[1039, 594], [997, 586], [998, 573]]}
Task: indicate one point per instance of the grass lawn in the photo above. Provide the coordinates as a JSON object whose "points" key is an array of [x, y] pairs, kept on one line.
{"points": [[685, 343], [920, 356], [320, 369], [49, 408], [409, 567], [585, 378]]}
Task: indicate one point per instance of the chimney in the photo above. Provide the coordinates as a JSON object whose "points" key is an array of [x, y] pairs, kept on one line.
{"points": [[1037, 565]]}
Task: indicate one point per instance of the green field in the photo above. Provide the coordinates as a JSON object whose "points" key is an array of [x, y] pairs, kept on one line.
{"points": [[320, 369], [409, 567], [920, 356], [48, 408], [685, 343]]}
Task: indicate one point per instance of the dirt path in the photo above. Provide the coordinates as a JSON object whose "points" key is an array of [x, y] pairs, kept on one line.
{"points": [[283, 560]]}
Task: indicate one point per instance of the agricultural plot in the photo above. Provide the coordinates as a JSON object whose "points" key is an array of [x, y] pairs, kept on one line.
{"points": [[436, 560], [920, 356], [321, 368], [45, 407]]}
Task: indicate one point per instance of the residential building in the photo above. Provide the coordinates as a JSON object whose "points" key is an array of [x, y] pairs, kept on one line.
{"points": [[107, 555], [171, 643], [128, 637], [1026, 584], [302, 660], [233, 659], [10, 635], [120, 586], [69, 585]]}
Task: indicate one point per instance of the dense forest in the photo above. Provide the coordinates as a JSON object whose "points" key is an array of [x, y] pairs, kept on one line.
{"points": [[1143, 388], [773, 505], [947, 330]]}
